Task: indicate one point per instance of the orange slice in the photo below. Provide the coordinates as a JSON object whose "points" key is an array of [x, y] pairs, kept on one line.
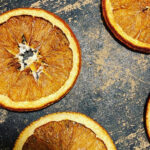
{"points": [[39, 59], [64, 131], [129, 22], [147, 118]]}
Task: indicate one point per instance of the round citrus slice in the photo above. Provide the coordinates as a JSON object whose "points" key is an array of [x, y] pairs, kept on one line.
{"points": [[64, 131], [39, 59], [147, 118], [129, 21]]}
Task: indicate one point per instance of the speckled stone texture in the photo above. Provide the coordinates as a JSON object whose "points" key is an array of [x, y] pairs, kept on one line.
{"points": [[113, 85]]}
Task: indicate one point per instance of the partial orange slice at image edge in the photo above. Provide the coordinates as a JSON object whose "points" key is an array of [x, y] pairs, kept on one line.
{"points": [[129, 21], [64, 130], [147, 118]]}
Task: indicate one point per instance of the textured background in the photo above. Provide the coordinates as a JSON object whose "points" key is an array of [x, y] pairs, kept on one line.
{"points": [[113, 85]]}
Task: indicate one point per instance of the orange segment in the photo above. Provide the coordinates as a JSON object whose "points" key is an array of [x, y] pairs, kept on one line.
{"points": [[66, 134], [59, 63], [79, 139], [7, 78], [7, 41], [65, 131], [98, 144], [33, 143], [129, 21], [50, 133], [44, 27], [47, 85], [31, 92], [41, 55], [19, 26], [4, 53]]}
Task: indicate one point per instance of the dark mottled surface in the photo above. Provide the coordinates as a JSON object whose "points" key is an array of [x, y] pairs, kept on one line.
{"points": [[113, 85]]}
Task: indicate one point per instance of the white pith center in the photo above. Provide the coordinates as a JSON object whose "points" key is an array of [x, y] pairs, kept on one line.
{"points": [[28, 56], [24, 59]]}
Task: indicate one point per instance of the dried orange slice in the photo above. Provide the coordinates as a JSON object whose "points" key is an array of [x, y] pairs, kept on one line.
{"points": [[64, 131], [129, 22], [39, 59], [147, 118]]}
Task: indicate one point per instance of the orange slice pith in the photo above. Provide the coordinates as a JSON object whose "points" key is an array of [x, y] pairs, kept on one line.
{"points": [[40, 59], [147, 118], [129, 22], [66, 130]]}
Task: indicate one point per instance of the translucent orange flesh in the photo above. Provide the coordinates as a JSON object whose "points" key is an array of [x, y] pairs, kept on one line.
{"points": [[54, 54], [134, 18], [63, 135]]}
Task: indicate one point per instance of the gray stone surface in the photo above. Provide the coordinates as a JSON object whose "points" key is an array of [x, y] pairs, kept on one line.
{"points": [[113, 85]]}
